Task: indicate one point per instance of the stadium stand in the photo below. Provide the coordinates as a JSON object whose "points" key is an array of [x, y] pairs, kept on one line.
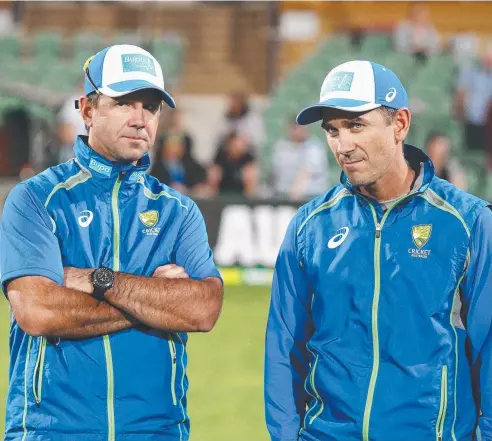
{"points": [[51, 64]]}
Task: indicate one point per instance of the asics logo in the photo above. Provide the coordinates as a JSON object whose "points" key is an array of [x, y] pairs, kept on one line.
{"points": [[338, 238], [86, 218], [390, 96]]}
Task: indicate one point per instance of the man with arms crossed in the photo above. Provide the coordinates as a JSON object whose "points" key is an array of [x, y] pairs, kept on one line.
{"points": [[106, 270], [381, 309]]}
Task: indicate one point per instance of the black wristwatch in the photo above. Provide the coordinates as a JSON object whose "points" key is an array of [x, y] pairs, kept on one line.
{"points": [[102, 280]]}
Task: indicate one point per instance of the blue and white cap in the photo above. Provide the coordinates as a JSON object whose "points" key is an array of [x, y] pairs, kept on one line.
{"points": [[122, 69], [357, 86]]}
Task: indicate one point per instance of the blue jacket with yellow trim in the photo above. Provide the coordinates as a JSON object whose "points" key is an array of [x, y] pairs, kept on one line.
{"points": [[130, 385], [380, 321]]}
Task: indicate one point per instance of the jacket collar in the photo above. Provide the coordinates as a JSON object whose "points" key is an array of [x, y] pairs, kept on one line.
{"points": [[416, 158], [103, 168]]}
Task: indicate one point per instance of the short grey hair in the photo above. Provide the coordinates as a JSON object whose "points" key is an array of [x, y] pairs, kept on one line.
{"points": [[388, 114], [93, 99]]}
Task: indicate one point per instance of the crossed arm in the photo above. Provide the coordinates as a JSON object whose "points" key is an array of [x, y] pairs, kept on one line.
{"points": [[168, 300]]}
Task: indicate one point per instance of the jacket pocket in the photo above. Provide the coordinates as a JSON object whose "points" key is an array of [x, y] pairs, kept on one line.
{"points": [[37, 379], [443, 404], [172, 351]]}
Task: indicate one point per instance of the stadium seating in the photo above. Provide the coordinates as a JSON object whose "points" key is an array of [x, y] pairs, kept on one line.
{"points": [[169, 52], [127, 37], [47, 45], [9, 47], [376, 44], [53, 63], [87, 41]]}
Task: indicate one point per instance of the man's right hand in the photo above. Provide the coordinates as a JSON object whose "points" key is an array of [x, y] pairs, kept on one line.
{"points": [[170, 271]]}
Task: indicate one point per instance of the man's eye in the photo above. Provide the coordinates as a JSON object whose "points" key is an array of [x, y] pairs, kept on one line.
{"points": [[331, 131], [356, 126], [152, 108], [120, 104]]}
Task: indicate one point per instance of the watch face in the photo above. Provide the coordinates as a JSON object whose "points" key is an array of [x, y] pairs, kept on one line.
{"points": [[103, 278]]}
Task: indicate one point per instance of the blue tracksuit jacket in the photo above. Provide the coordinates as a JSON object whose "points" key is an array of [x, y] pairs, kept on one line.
{"points": [[380, 322], [127, 386]]}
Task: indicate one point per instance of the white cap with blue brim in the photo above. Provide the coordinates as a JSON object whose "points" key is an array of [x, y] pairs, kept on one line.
{"points": [[357, 86], [122, 69]]}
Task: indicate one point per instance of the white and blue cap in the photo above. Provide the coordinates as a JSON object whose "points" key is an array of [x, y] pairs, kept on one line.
{"points": [[357, 86], [122, 69]]}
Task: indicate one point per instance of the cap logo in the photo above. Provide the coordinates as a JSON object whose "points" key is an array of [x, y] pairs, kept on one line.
{"points": [[340, 82], [390, 96], [138, 63]]}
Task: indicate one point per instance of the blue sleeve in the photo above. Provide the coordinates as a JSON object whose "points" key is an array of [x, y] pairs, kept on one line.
{"points": [[477, 296], [28, 246], [192, 250], [289, 328]]}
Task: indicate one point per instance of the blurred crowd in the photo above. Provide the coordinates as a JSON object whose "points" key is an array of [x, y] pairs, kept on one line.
{"points": [[300, 166], [473, 89]]}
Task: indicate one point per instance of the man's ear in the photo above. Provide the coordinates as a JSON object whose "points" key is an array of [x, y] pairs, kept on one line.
{"points": [[401, 124], [86, 109]]}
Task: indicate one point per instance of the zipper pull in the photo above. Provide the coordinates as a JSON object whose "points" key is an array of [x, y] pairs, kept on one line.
{"points": [[173, 348], [378, 231]]}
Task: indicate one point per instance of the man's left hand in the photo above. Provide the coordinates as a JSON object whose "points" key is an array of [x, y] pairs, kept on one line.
{"points": [[170, 271]]}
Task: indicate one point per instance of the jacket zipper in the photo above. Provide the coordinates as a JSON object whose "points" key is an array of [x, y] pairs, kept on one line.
{"points": [[172, 350], [374, 313], [318, 397], [37, 379], [106, 339], [444, 404], [310, 379]]}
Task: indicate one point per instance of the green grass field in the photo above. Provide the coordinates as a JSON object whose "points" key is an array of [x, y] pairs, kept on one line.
{"points": [[225, 370]]}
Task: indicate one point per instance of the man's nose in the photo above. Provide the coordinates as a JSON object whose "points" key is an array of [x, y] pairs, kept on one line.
{"points": [[137, 117], [346, 143]]}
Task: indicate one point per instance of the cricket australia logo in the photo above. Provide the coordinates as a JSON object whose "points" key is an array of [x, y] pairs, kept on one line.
{"points": [[149, 219], [420, 236]]}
